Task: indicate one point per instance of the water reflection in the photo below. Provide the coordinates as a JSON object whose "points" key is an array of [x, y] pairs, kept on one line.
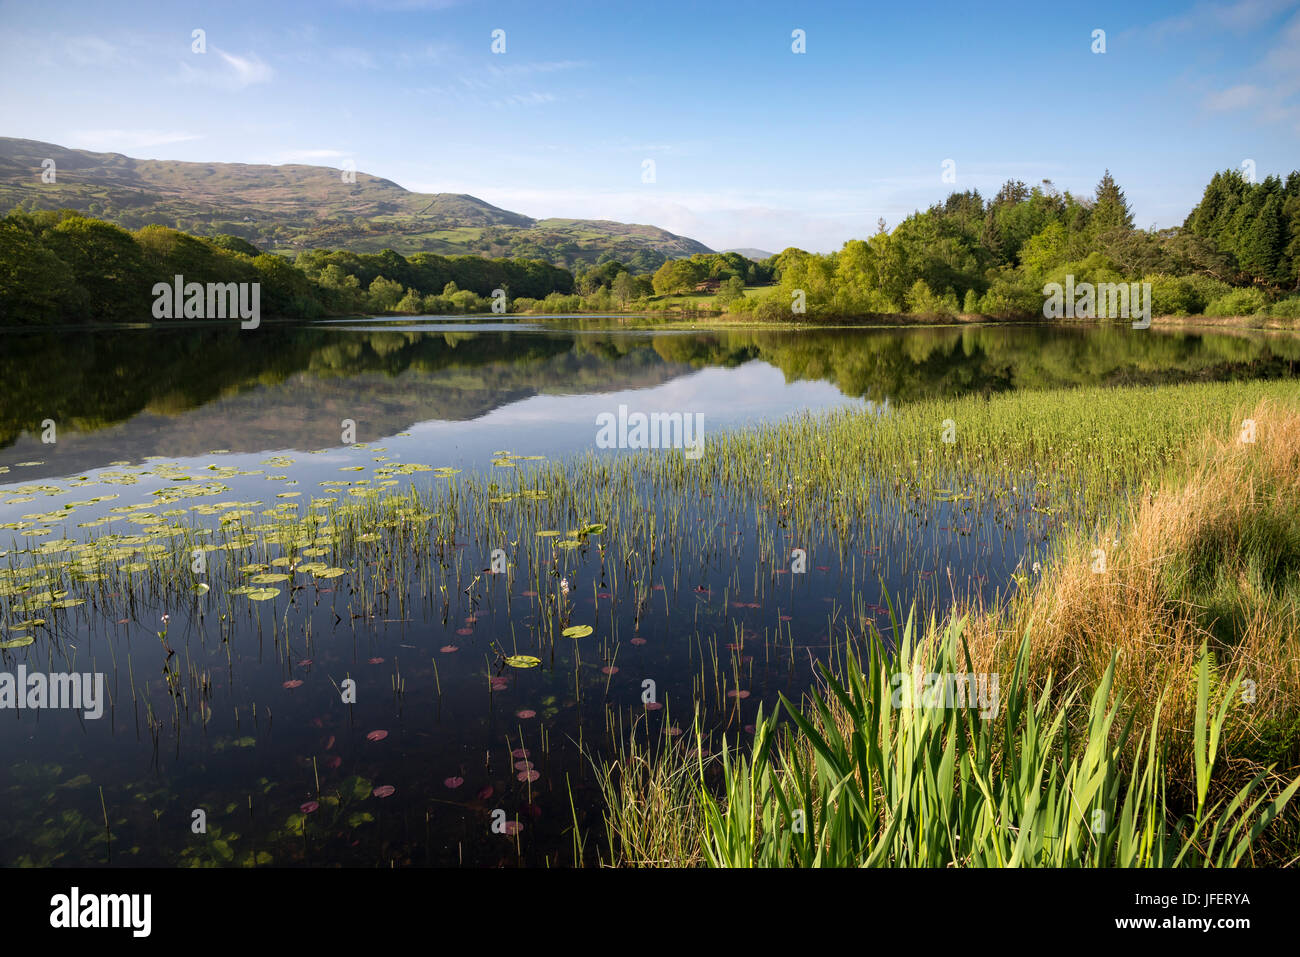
{"points": [[126, 394]]}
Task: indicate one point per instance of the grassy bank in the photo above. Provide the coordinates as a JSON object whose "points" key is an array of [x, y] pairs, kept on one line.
{"points": [[1257, 321], [698, 310], [1150, 717], [1210, 558]]}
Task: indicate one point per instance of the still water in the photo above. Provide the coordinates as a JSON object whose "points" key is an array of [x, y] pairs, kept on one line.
{"points": [[232, 707]]}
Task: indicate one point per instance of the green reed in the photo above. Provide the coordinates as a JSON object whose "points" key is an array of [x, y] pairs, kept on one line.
{"points": [[863, 782]]}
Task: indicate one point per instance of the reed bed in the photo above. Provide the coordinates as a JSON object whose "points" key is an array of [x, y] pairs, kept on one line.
{"points": [[863, 782]]}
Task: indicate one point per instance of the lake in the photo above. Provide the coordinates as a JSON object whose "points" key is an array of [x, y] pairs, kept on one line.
{"points": [[321, 678]]}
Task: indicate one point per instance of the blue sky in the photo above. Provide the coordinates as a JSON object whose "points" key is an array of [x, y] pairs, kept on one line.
{"points": [[752, 144]]}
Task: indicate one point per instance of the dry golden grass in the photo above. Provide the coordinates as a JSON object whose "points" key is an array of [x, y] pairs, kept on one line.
{"points": [[1207, 528]]}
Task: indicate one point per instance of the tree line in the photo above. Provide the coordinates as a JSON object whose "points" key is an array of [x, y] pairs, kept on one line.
{"points": [[1237, 253], [61, 267]]}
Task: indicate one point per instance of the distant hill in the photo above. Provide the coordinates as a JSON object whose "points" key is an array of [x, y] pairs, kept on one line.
{"points": [[294, 207], [749, 252]]}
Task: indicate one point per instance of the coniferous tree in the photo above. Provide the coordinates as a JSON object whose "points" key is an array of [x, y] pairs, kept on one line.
{"points": [[1111, 211]]}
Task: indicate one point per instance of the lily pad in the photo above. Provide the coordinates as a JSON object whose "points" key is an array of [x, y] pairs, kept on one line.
{"points": [[523, 661]]}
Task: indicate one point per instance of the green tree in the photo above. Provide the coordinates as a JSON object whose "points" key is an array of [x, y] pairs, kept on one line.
{"points": [[1111, 211], [35, 284], [1264, 241], [411, 304], [624, 288], [729, 292], [384, 294], [111, 281]]}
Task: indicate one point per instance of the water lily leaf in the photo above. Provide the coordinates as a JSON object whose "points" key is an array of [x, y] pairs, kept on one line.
{"points": [[577, 631], [523, 661]]}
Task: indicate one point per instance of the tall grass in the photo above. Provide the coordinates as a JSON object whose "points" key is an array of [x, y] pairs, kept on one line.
{"points": [[866, 782], [1193, 615], [1210, 558], [645, 799]]}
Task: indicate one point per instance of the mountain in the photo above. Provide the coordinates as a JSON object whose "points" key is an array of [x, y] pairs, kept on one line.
{"points": [[293, 207], [749, 252]]}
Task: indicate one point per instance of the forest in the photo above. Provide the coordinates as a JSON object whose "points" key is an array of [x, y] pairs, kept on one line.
{"points": [[1236, 254]]}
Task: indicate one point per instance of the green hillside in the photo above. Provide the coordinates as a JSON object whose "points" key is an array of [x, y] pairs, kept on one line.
{"points": [[294, 207]]}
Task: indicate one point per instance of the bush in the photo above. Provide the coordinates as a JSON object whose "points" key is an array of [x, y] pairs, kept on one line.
{"points": [[1285, 308], [1174, 295], [922, 302], [730, 291], [745, 305], [1239, 302], [411, 304], [1010, 297], [467, 301]]}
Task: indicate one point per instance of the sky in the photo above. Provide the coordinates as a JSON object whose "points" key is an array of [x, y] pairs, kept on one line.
{"points": [[890, 107]]}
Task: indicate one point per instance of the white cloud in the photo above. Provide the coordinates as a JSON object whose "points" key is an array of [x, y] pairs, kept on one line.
{"points": [[355, 59], [126, 141], [92, 51], [1238, 97], [400, 6], [246, 70], [1276, 81], [524, 99], [1239, 17], [305, 156], [226, 70], [516, 69], [1285, 55], [429, 52]]}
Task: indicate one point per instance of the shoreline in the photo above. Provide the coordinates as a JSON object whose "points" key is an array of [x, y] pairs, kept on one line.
{"points": [[710, 321]]}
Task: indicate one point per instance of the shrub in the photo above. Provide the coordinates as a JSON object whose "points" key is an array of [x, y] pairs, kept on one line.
{"points": [[1288, 308], [1239, 302]]}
